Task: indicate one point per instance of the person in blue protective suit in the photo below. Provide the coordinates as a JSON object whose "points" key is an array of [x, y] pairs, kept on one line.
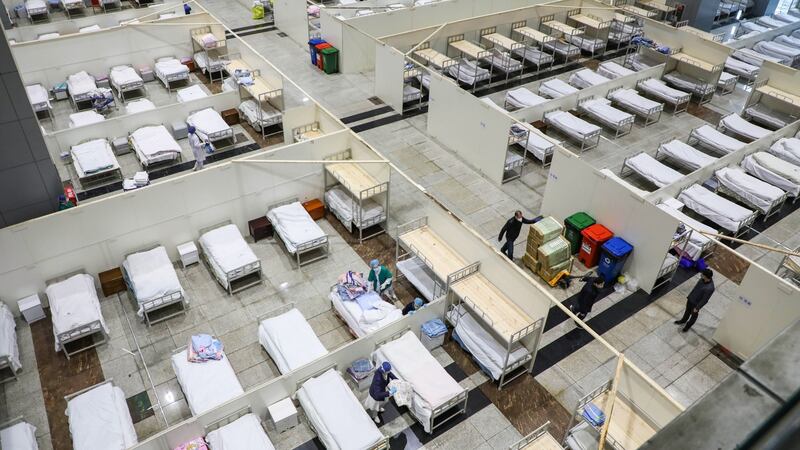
{"points": [[412, 307], [379, 391], [186, 8]]}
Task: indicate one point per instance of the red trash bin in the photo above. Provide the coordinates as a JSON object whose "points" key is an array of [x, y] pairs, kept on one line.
{"points": [[593, 238], [319, 48]]}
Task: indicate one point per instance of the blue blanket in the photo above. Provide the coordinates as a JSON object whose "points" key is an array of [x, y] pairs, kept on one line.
{"points": [[434, 328], [367, 301]]}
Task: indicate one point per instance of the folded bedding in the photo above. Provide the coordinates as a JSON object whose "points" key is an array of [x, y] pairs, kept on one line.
{"points": [[523, 98], [610, 69], [725, 78], [93, 157], [586, 78], [47, 36], [562, 48], [82, 118], [738, 125], [719, 210], [556, 88], [774, 171], [661, 90], [139, 105], [687, 155], [787, 149], [758, 193], [653, 170]]}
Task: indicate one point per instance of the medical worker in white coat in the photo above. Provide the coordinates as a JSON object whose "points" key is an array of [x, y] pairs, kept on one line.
{"points": [[198, 149]]}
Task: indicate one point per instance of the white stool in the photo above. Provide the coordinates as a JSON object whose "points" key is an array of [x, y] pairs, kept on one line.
{"points": [[283, 414]]}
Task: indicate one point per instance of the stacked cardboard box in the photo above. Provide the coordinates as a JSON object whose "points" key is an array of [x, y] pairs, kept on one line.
{"points": [[554, 256], [540, 233]]}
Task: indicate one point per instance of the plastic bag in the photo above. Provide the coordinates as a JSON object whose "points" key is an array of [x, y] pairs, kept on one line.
{"points": [[632, 285], [258, 11]]}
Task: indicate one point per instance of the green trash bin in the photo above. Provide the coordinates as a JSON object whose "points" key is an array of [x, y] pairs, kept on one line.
{"points": [[573, 225], [330, 60]]}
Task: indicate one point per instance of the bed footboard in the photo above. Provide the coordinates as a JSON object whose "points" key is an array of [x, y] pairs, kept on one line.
{"points": [[83, 331]]}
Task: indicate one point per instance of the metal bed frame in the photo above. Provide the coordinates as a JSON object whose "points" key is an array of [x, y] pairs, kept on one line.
{"points": [[220, 51], [666, 273], [81, 331], [71, 9], [724, 15], [305, 247], [145, 164], [739, 136], [273, 97], [42, 14], [507, 57], [85, 97], [705, 251], [69, 397], [429, 63], [228, 419], [747, 78], [705, 91], [664, 15], [693, 140], [274, 312], [439, 285], [541, 45], [523, 443], [600, 32], [483, 56], [622, 32], [409, 74], [676, 161], [676, 106], [458, 402], [510, 371], [128, 87], [774, 207], [43, 106], [626, 170], [563, 37], [357, 200], [728, 86], [5, 363], [226, 135], [250, 270], [587, 138], [171, 78], [744, 225], [102, 175], [787, 269], [621, 128], [297, 133], [151, 306], [513, 170], [751, 118], [648, 116]]}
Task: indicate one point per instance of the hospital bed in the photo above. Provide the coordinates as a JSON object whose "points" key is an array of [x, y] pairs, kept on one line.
{"points": [[752, 26], [621, 33], [684, 155], [90, 29], [522, 98], [593, 46], [650, 169], [211, 127], [515, 162], [755, 58], [640, 61], [740, 127], [39, 99], [637, 11], [556, 88], [535, 143], [9, 351], [630, 100], [600, 109], [787, 149], [774, 171], [468, 72], [366, 314], [124, 79], [140, 105], [432, 58], [75, 311], [749, 190], [612, 70], [536, 37], [298, 231], [154, 144], [514, 48], [193, 92], [770, 22], [578, 129], [714, 139], [743, 69], [72, 7], [765, 115], [153, 283], [229, 258], [658, 89], [260, 117], [99, 418], [288, 338], [698, 244], [335, 414], [94, 161], [307, 132], [80, 86], [686, 83], [83, 118], [563, 48], [723, 212], [534, 56], [538, 439], [240, 430], [787, 55], [789, 268], [585, 78], [205, 385], [170, 70], [786, 18], [437, 396], [504, 62], [18, 434], [210, 63], [726, 83], [788, 41], [37, 10]]}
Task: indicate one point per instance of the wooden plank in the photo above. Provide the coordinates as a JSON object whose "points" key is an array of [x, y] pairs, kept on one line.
{"points": [[438, 59], [536, 35], [468, 48], [353, 176], [443, 258], [259, 86], [590, 21], [506, 317], [501, 41], [562, 27], [779, 94]]}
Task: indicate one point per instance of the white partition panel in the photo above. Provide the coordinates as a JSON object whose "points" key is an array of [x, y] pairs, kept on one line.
{"points": [[649, 399], [389, 65], [781, 77], [468, 127], [291, 17]]}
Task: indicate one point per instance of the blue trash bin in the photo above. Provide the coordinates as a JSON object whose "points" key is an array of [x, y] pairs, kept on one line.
{"points": [[615, 252], [312, 48]]}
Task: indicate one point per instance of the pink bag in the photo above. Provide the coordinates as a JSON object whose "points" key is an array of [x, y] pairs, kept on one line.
{"points": [[195, 444]]}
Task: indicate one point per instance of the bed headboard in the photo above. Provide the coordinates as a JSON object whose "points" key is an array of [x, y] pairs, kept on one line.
{"points": [[392, 337], [230, 418], [215, 226], [277, 311], [141, 249], [11, 422], [84, 390], [288, 201], [61, 278], [300, 382]]}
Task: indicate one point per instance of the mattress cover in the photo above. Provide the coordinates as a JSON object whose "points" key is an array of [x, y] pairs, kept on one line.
{"points": [[754, 58], [586, 78], [467, 71], [587, 43], [567, 122], [688, 83], [523, 98], [610, 69], [787, 149], [80, 83], [154, 141], [269, 114], [92, 157], [556, 88], [718, 139], [340, 201], [758, 193], [20, 436], [632, 99], [226, 246], [740, 67], [170, 66], [768, 116], [788, 18], [207, 122], [776, 49], [540, 146], [789, 41], [660, 88], [290, 340], [83, 118], [736, 123], [752, 26], [719, 210], [73, 302], [602, 108], [770, 22], [8, 343], [686, 154], [243, 433], [151, 275], [294, 225], [208, 384], [725, 77], [563, 48], [206, 61], [415, 270], [140, 105], [774, 171], [533, 55], [656, 172], [37, 94], [100, 418], [121, 75], [190, 93]]}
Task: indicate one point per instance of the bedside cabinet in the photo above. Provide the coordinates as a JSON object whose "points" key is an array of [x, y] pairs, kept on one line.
{"points": [[188, 254], [283, 414], [260, 228], [31, 308], [315, 209], [112, 282]]}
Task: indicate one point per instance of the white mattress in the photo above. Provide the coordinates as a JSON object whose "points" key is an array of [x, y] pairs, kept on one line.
{"points": [[83, 118], [468, 72], [99, 419], [337, 199], [686, 154], [752, 26], [640, 62], [190, 93], [411, 93], [269, 114], [290, 341], [207, 122], [20, 436], [719, 210], [203, 61], [556, 88], [419, 275], [122, 75], [170, 66], [661, 90], [634, 101], [243, 433], [80, 83], [207, 384], [774, 171], [140, 105], [73, 303], [151, 275], [37, 95], [413, 363], [93, 157], [503, 61], [763, 114], [777, 50], [154, 142], [523, 98], [696, 240], [717, 139], [725, 77], [770, 22], [365, 322], [788, 41], [538, 145], [35, 5], [482, 345], [586, 78], [610, 69], [602, 109], [737, 124], [562, 48], [295, 226], [688, 83], [533, 55], [653, 170], [587, 43], [757, 193], [336, 414], [788, 18], [787, 149], [226, 249], [741, 68], [90, 29], [8, 343], [753, 57], [570, 124]]}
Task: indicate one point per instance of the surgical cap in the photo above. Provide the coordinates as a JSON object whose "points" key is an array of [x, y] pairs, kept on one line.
{"points": [[374, 263], [418, 302], [386, 366]]}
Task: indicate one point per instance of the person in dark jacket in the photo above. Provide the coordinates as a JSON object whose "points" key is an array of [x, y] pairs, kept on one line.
{"points": [[588, 295], [511, 230], [698, 298], [379, 391], [412, 307]]}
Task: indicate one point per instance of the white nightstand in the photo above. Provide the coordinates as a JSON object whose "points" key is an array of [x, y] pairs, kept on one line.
{"points": [[31, 308], [188, 253], [283, 414]]}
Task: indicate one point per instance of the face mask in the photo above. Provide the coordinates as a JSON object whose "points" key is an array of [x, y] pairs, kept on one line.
{"points": [[519, 219], [377, 270]]}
